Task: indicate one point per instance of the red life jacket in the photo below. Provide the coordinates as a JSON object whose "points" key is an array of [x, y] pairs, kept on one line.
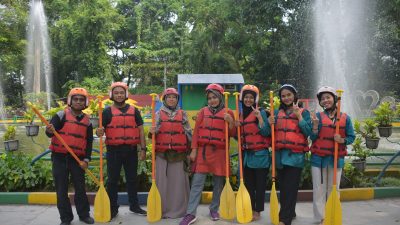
{"points": [[74, 133], [122, 129], [171, 134], [212, 129], [288, 133], [251, 137], [325, 144]]}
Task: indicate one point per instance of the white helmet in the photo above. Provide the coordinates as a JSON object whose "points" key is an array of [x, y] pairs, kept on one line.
{"points": [[326, 89]]}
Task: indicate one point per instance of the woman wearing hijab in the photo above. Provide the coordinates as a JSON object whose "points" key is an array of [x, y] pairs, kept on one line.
{"points": [[255, 144], [322, 157], [173, 135], [208, 151], [292, 129]]}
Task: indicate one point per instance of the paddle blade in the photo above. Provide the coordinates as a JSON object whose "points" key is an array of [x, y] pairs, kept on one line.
{"points": [[154, 210], [244, 212], [274, 206], [102, 213], [227, 202], [333, 209]]}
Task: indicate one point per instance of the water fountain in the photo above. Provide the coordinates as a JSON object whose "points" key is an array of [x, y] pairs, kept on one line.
{"points": [[38, 67], [2, 111], [341, 50]]}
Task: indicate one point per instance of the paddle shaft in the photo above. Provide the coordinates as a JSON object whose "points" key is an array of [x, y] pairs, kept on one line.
{"points": [[101, 138], [153, 137], [239, 136], [271, 103], [64, 144], [339, 92], [226, 138]]}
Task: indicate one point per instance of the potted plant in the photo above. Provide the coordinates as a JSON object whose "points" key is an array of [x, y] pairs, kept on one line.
{"points": [[368, 131], [370, 135], [361, 153], [10, 144], [31, 129], [384, 117]]}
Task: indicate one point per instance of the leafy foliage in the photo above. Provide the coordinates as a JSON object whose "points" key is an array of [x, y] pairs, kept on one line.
{"points": [[270, 42], [10, 133], [367, 128], [384, 114], [16, 174]]}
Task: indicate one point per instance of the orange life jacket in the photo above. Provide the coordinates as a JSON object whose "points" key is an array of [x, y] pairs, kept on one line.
{"points": [[74, 133], [212, 129], [288, 133], [251, 137], [171, 134], [122, 129], [325, 144]]}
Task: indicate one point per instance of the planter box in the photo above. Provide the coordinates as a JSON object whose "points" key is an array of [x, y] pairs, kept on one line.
{"points": [[11, 145], [32, 130], [94, 121], [385, 131], [372, 143]]}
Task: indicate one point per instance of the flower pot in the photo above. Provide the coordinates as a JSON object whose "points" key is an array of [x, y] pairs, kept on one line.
{"points": [[359, 164], [385, 131], [94, 121], [11, 145], [371, 143], [32, 130]]}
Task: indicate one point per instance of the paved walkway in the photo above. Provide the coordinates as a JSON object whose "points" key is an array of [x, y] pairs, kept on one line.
{"points": [[373, 212]]}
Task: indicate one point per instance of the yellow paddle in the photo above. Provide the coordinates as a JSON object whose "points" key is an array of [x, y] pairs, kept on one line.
{"points": [[244, 212], [227, 200], [273, 198], [102, 212], [63, 143], [333, 208], [154, 210]]}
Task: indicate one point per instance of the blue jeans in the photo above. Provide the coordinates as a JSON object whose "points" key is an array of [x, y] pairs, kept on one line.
{"points": [[198, 181]]}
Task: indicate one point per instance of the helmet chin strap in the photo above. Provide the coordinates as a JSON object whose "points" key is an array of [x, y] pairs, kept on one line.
{"points": [[333, 109]]}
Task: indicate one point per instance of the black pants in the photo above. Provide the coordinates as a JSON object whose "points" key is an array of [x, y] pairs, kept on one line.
{"points": [[288, 180], [64, 166], [115, 160], [255, 181]]}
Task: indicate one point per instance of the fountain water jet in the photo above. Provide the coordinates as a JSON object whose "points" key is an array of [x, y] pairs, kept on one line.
{"points": [[38, 67]]}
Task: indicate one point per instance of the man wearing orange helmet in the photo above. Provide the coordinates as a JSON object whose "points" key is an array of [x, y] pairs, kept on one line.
{"points": [[77, 131], [123, 126]]}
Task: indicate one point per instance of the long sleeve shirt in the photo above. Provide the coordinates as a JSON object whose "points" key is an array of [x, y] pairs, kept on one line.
{"points": [[286, 156], [324, 161], [261, 158]]}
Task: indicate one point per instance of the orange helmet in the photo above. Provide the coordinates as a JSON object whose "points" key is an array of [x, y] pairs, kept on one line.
{"points": [[78, 91], [169, 91], [119, 84], [216, 87], [252, 88]]}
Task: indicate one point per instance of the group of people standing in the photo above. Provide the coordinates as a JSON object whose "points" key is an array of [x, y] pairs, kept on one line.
{"points": [[176, 144]]}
